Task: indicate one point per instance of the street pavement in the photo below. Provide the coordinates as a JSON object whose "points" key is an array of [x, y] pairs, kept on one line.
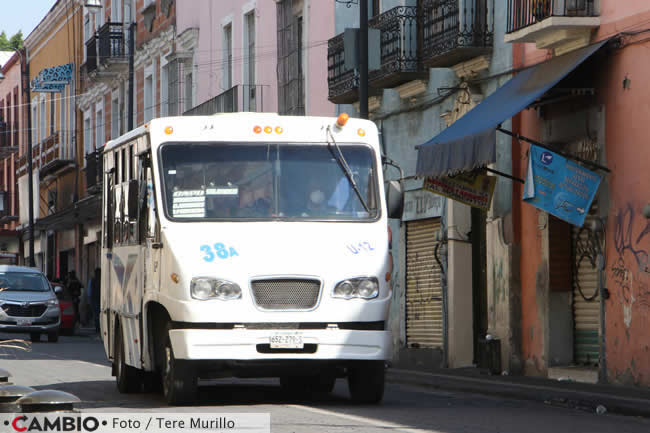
{"points": [[78, 365]]}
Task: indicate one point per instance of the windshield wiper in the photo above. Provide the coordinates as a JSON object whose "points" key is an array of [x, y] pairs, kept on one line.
{"points": [[338, 156]]}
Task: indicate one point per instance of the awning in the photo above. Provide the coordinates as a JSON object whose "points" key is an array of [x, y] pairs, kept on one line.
{"points": [[470, 142]]}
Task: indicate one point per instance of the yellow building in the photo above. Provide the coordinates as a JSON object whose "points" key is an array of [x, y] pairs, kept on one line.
{"points": [[61, 204]]}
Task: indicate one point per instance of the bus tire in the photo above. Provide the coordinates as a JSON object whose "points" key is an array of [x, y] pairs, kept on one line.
{"points": [[179, 381], [127, 378], [366, 382]]}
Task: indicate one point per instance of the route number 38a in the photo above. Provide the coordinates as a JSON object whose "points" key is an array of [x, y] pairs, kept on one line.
{"points": [[218, 250]]}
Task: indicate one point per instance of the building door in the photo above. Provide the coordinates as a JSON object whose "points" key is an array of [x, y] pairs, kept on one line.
{"points": [[587, 244], [424, 324]]}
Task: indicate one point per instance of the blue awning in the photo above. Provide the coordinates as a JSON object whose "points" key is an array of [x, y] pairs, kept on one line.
{"points": [[470, 142]]}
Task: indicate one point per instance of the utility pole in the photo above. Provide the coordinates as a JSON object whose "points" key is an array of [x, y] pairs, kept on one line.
{"points": [[363, 59], [30, 174]]}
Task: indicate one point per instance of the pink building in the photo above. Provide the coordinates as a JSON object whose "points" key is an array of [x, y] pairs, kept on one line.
{"points": [[564, 321], [12, 128], [238, 63]]}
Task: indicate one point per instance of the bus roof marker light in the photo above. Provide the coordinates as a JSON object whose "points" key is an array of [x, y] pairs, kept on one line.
{"points": [[257, 129], [278, 130], [361, 132], [169, 130], [268, 129], [342, 120]]}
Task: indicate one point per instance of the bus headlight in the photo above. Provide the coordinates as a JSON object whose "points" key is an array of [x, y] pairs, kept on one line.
{"points": [[364, 288], [204, 288]]}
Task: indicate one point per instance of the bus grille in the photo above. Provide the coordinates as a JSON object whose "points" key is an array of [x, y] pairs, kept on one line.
{"points": [[286, 294]]}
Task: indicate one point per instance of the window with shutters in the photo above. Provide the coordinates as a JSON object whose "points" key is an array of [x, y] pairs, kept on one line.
{"points": [[291, 95]]}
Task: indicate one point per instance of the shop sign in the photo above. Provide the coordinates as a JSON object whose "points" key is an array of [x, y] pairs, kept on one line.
{"points": [[559, 186], [472, 188], [421, 204]]}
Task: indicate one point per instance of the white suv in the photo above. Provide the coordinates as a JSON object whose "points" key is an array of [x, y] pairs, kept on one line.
{"points": [[28, 303]]}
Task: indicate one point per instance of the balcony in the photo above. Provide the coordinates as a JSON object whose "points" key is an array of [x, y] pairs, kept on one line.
{"points": [[242, 97], [399, 55], [552, 24], [94, 170], [106, 52], [48, 157], [454, 31]]}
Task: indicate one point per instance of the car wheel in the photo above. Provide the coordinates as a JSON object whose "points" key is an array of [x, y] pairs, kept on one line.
{"points": [[366, 382], [128, 379], [53, 337], [35, 337], [179, 381]]}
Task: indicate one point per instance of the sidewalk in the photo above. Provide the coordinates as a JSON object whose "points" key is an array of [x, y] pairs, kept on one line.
{"points": [[616, 399]]}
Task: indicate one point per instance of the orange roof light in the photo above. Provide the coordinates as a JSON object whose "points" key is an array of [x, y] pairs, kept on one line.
{"points": [[361, 132], [342, 120], [257, 129], [268, 129], [169, 130]]}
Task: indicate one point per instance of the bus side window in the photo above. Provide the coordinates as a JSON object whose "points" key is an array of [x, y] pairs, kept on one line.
{"points": [[143, 198]]}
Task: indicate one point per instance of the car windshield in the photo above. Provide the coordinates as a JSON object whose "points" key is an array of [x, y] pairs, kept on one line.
{"points": [[23, 282], [222, 181]]}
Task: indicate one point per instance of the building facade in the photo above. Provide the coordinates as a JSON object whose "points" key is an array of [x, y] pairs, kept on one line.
{"points": [[592, 315], [12, 136], [436, 60], [54, 54], [255, 56]]}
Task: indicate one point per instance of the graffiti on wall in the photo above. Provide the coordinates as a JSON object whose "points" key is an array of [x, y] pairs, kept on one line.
{"points": [[629, 269]]}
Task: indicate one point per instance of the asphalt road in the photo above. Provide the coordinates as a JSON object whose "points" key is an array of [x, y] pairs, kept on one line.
{"points": [[78, 365]]}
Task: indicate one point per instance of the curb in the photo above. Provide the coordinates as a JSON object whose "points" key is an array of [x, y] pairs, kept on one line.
{"points": [[547, 394]]}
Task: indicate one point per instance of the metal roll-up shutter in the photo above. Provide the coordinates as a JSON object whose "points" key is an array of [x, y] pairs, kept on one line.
{"points": [[586, 299], [423, 285]]}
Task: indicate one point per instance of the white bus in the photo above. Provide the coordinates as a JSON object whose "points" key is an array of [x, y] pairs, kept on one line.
{"points": [[246, 245]]}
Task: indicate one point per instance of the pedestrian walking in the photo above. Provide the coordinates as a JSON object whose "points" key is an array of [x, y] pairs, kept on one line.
{"points": [[74, 288]]}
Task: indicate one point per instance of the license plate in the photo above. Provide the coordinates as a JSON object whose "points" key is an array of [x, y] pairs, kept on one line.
{"points": [[23, 322], [286, 341]]}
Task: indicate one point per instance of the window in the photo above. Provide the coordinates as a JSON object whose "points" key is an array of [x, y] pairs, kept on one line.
{"points": [[34, 121], [100, 136], [123, 168], [227, 56], [17, 127], [62, 132], [172, 90], [115, 116], [164, 88], [116, 11], [86, 26], [149, 100], [189, 85], [375, 8], [43, 129], [249, 73], [52, 113], [88, 137]]}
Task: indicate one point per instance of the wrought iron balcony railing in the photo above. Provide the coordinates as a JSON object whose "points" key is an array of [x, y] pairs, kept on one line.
{"points": [[455, 31], [107, 44], [524, 13], [399, 51], [242, 97], [343, 83]]}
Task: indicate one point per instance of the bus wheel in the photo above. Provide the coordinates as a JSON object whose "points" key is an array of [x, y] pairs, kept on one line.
{"points": [[128, 378], [178, 380], [366, 382]]}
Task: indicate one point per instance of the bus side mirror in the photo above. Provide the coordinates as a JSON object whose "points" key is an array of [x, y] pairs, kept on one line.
{"points": [[394, 199], [133, 199]]}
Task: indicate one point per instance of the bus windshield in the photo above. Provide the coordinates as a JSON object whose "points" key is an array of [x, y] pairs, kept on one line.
{"points": [[225, 181]]}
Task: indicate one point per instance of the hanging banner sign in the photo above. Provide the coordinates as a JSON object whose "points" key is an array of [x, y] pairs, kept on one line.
{"points": [[471, 188], [54, 79], [559, 186]]}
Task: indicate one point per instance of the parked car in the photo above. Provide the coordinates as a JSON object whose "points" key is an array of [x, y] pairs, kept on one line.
{"points": [[69, 322], [28, 303]]}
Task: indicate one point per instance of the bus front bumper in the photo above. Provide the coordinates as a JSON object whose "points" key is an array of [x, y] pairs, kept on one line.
{"points": [[210, 344]]}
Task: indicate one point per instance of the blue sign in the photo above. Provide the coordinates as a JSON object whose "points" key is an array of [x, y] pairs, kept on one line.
{"points": [[559, 186], [52, 80]]}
